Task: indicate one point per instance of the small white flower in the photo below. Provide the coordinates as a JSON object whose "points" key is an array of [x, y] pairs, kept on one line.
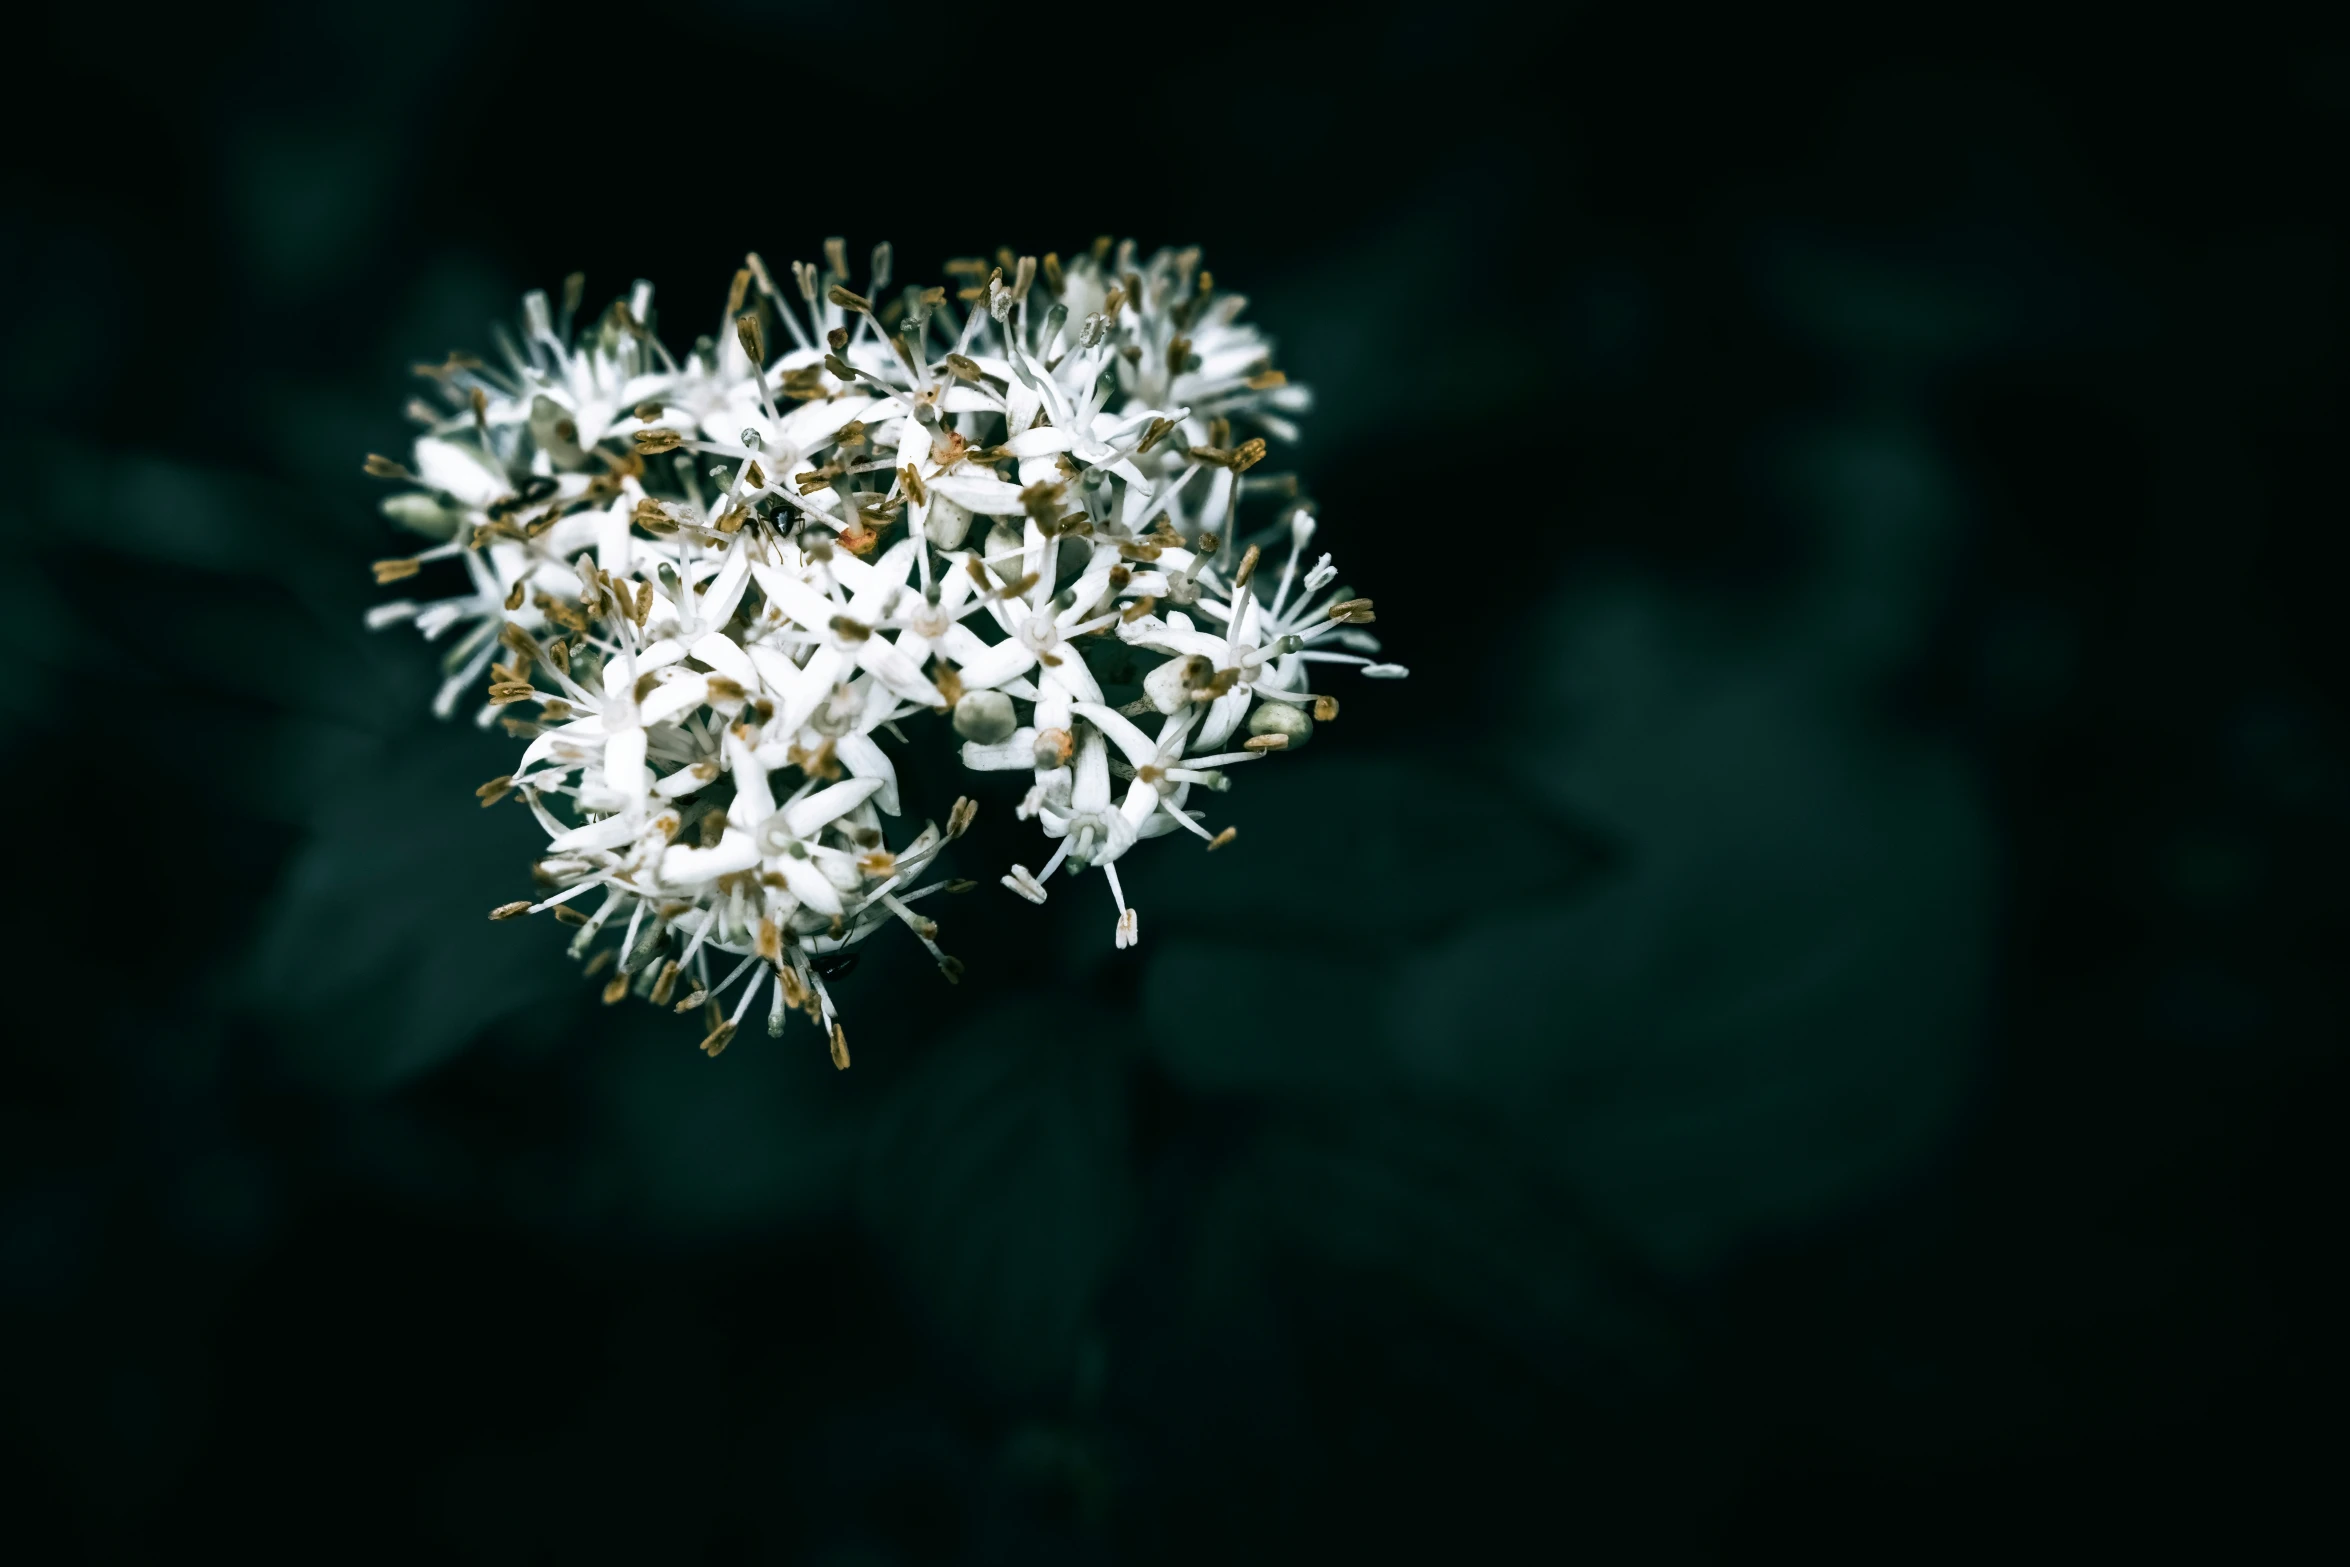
{"points": [[725, 581]]}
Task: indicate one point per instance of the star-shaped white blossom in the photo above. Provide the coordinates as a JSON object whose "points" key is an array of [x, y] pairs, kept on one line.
{"points": [[726, 581]]}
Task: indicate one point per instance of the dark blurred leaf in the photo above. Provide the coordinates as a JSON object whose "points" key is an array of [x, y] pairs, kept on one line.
{"points": [[39, 643], [156, 509], [377, 958], [766, 1133], [306, 198], [1879, 509], [1891, 314], [1768, 1012], [1757, 1013], [1426, 1194], [1345, 842], [998, 1178], [1268, 1020]]}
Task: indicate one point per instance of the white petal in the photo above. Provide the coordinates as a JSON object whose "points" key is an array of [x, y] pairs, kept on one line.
{"points": [[1224, 716], [828, 804], [717, 605], [997, 664], [734, 852], [1140, 806], [1052, 706], [1043, 441], [586, 733], [612, 537], [1139, 748], [1091, 791], [460, 470], [812, 424], [802, 604], [961, 643], [886, 582], [795, 707], [1071, 675], [677, 696], [624, 762], [988, 496], [897, 672], [854, 575], [1163, 637], [609, 833], [1016, 754], [808, 884], [754, 802], [1089, 586], [720, 652], [862, 756], [913, 445], [779, 677], [685, 781]]}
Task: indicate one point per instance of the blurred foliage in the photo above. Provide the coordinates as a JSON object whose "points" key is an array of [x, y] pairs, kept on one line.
{"points": [[1000, 1181], [1813, 1009]]}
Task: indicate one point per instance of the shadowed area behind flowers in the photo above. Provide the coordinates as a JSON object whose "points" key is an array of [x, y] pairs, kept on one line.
{"points": [[1805, 1013]]}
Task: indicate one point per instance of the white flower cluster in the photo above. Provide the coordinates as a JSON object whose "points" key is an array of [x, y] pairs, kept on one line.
{"points": [[722, 582]]}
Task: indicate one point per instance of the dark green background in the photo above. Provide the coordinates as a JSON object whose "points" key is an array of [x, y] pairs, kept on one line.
{"points": [[1809, 1024]]}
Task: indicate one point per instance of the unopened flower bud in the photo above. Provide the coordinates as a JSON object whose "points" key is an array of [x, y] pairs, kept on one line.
{"points": [[1286, 719], [948, 525], [985, 717]]}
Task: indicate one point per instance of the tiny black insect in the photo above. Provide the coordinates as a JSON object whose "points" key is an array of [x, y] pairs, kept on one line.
{"points": [[835, 965]]}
